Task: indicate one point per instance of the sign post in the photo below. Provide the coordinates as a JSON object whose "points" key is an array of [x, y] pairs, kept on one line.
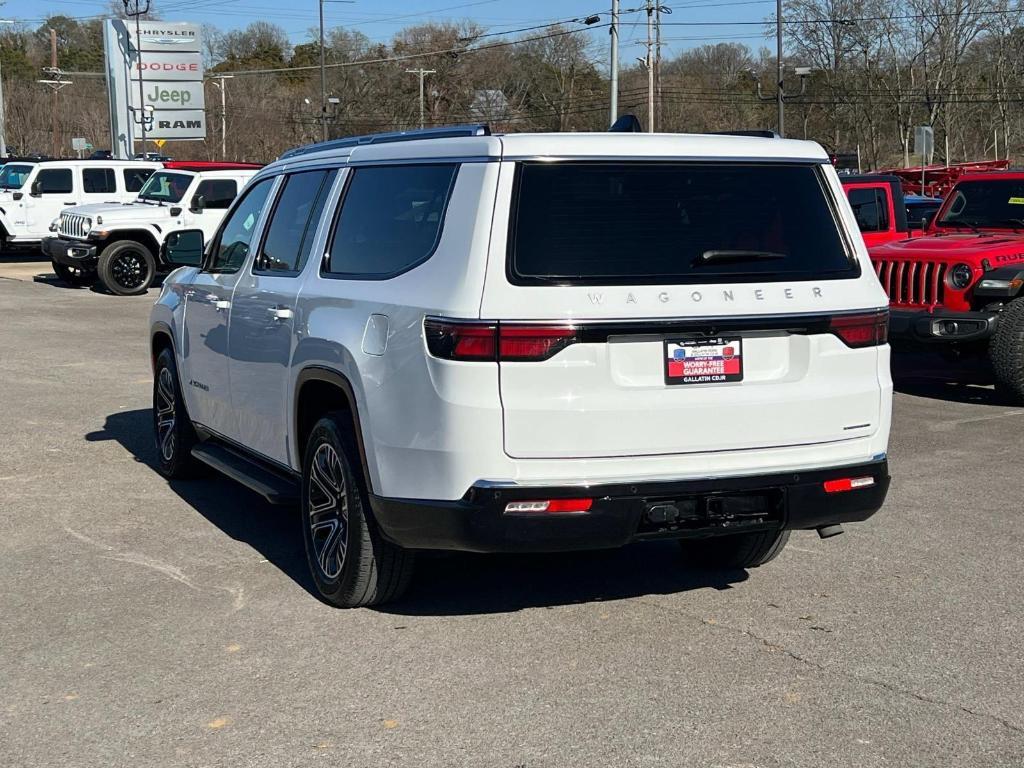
{"points": [[924, 145]]}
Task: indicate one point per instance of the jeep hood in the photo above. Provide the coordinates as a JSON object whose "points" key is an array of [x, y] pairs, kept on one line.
{"points": [[116, 213], [969, 247]]}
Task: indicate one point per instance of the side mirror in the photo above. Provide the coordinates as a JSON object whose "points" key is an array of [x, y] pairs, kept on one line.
{"points": [[184, 248], [198, 204], [36, 189]]}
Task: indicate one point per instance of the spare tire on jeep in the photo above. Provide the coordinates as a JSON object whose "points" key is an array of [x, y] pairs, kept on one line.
{"points": [[1006, 351], [126, 267]]}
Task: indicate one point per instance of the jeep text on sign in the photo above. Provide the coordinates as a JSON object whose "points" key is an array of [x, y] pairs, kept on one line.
{"points": [[169, 95]]}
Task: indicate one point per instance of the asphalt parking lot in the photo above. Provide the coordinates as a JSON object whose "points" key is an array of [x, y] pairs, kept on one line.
{"points": [[147, 624]]}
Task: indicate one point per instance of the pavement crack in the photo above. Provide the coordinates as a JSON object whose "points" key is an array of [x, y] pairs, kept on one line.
{"points": [[863, 679]]}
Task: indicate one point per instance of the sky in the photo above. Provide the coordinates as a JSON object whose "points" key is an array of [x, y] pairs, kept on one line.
{"points": [[691, 23]]}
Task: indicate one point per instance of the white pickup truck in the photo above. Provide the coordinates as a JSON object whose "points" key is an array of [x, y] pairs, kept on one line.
{"points": [[33, 193], [119, 244]]}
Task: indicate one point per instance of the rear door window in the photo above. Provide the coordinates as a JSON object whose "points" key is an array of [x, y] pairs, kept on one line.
{"points": [[218, 193], [636, 223], [134, 178], [292, 227], [871, 207], [98, 180], [390, 219]]}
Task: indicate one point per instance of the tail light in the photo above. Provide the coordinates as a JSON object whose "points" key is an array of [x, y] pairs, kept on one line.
{"points": [[867, 330], [483, 341]]}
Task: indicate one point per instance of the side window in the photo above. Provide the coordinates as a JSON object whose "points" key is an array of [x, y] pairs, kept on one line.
{"points": [[218, 194], [97, 180], [870, 206], [390, 219], [235, 239], [134, 178], [55, 181], [292, 227]]}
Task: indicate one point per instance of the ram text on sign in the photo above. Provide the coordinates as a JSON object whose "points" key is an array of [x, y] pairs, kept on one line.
{"points": [[169, 95], [177, 124]]}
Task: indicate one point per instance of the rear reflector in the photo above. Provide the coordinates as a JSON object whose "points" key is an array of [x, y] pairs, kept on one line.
{"points": [[844, 484], [549, 507], [867, 330], [489, 341]]}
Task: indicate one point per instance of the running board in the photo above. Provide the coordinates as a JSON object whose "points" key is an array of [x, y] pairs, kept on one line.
{"points": [[275, 487]]}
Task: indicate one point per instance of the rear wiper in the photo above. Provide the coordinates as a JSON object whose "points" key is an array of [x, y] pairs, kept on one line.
{"points": [[718, 255]]}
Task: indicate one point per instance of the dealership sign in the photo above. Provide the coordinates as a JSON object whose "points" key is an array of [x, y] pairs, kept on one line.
{"points": [[155, 79]]}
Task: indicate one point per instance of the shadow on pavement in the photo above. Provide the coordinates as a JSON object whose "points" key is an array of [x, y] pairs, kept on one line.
{"points": [[964, 380], [445, 583]]}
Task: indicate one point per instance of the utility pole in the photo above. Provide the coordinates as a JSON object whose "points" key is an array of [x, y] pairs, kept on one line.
{"points": [[780, 94], [649, 63], [657, 61], [323, 78], [218, 80], [614, 64], [422, 73], [3, 118], [141, 112], [53, 98]]}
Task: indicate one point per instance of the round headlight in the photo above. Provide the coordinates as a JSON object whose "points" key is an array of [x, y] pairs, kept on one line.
{"points": [[960, 276], [99, 219]]}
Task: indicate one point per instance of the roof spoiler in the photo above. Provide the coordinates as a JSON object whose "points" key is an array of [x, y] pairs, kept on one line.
{"points": [[444, 132], [626, 124]]}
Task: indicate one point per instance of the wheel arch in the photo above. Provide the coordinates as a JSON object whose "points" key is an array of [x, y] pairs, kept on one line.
{"points": [[161, 338], [141, 236], [319, 391]]}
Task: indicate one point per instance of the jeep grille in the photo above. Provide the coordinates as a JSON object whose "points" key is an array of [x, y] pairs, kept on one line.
{"points": [[912, 283], [73, 225]]}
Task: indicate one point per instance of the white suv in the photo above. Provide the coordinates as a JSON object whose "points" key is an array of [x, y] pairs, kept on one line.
{"points": [[532, 343], [33, 194], [119, 243]]}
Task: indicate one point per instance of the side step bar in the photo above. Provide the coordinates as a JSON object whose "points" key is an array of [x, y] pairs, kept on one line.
{"points": [[275, 487]]}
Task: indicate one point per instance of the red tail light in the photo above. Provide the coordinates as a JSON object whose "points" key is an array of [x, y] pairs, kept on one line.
{"points": [[866, 330], [483, 341]]}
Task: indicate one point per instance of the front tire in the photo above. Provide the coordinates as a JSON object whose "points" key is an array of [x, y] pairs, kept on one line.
{"points": [[172, 428], [76, 277], [126, 268], [350, 562], [738, 550], [1006, 351]]}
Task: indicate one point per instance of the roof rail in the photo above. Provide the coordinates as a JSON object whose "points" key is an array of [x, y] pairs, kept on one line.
{"points": [[755, 133], [444, 132]]}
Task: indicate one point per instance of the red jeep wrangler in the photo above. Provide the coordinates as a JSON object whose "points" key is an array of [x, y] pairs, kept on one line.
{"points": [[877, 202], [961, 283]]}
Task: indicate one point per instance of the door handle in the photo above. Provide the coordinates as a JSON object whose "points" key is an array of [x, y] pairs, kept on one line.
{"points": [[70, 203], [281, 313]]}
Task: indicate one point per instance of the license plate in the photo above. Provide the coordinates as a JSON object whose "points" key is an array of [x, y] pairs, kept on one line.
{"points": [[703, 361]]}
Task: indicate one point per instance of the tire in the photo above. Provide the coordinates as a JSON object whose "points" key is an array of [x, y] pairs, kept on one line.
{"points": [[126, 268], [76, 277], [351, 564], [173, 433], [739, 550], [1006, 351]]}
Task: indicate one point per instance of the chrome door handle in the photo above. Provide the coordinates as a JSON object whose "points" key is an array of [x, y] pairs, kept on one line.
{"points": [[222, 304], [281, 313]]}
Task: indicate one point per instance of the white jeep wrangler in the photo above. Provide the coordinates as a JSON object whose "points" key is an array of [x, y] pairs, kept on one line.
{"points": [[32, 194], [531, 343], [119, 243]]}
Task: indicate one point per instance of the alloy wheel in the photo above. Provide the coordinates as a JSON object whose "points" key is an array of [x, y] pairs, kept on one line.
{"points": [[165, 414], [129, 270], [328, 511]]}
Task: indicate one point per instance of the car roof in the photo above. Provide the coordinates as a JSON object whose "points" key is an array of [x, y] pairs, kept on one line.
{"points": [[869, 178], [205, 165], [597, 146]]}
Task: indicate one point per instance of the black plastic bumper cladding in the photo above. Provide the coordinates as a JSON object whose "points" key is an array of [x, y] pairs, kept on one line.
{"points": [[622, 513], [57, 249], [918, 326]]}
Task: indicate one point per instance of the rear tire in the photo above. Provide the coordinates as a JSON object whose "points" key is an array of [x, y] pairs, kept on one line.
{"points": [[351, 564], [1006, 351], [76, 277], [738, 550], [172, 428], [126, 268]]}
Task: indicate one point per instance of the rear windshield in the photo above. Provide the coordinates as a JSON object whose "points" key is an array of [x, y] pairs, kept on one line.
{"points": [[994, 203], [653, 223]]}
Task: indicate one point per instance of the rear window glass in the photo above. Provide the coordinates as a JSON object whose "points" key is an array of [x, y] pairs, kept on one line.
{"points": [[665, 223]]}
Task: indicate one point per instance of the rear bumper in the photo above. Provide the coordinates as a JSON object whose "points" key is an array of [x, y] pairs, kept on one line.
{"points": [[622, 513], [73, 253], [941, 326]]}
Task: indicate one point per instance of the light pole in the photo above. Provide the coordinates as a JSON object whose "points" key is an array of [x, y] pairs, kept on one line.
{"points": [[780, 96], [323, 71], [218, 80], [138, 13], [615, 61]]}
